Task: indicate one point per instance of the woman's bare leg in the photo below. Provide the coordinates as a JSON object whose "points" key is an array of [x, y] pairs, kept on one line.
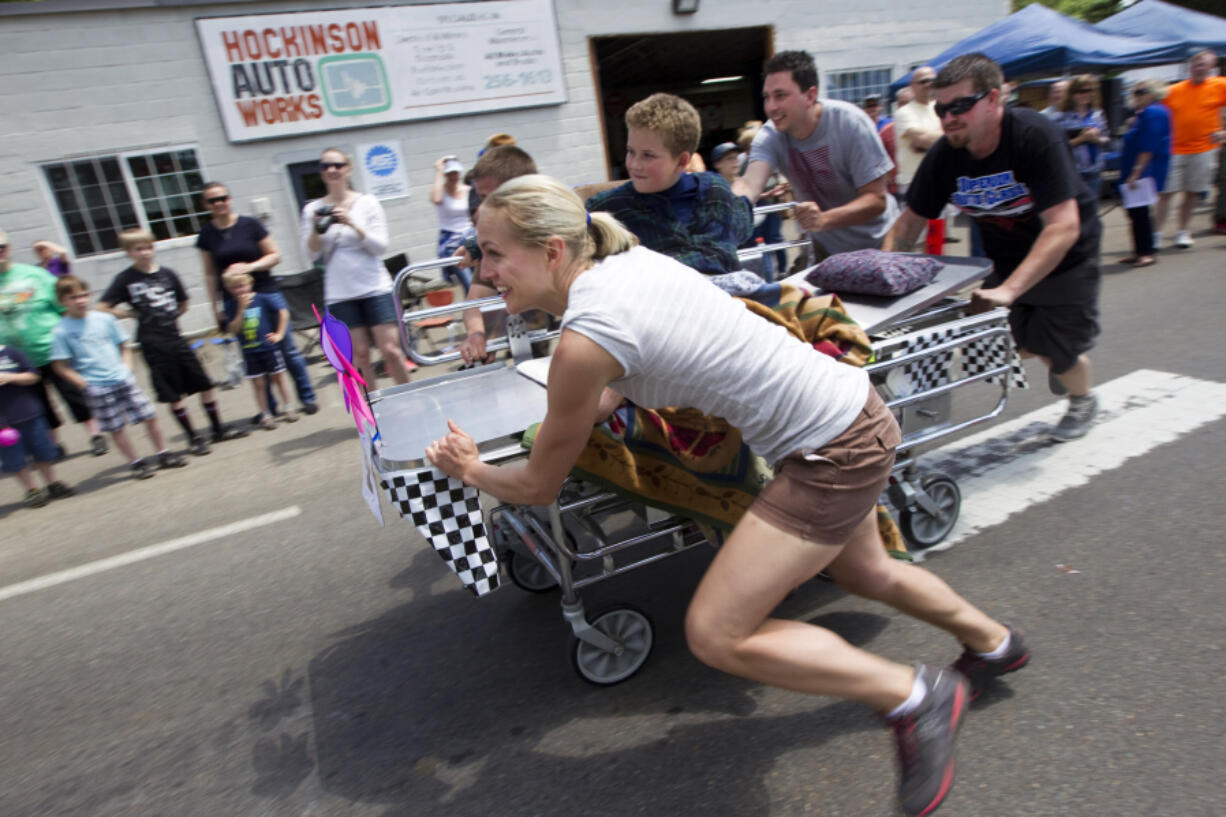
{"points": [[865, 569], [361, 354], [728, 625], [387, 338]]}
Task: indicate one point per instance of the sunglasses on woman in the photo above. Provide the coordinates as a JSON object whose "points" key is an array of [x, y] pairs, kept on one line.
{"points": [[216, 199], [332, 165], [960, 105]]}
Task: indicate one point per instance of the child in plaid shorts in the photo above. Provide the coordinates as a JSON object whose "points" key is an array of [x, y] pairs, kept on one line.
{"points": [[88, 348]]}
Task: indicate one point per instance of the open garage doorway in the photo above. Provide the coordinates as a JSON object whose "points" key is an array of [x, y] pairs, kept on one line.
{"points": [[719, 72]]}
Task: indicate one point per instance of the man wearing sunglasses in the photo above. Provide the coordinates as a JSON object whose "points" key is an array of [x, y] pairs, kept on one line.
{"points": [[1012, 171], [831, 154]]}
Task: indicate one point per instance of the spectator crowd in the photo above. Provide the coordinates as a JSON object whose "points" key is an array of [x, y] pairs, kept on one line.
{"points": [[851, 172]]}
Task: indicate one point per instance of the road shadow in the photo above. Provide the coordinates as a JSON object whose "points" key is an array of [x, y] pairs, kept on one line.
{"points": [[461, 706], [293, 448], [106, 478]]}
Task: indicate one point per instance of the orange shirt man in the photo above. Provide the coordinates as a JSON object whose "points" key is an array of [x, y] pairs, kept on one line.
{"points": [[1197, 105]]}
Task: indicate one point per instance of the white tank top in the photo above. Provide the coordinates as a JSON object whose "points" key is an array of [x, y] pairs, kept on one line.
{"points": [[684, 342], [453, 214]]}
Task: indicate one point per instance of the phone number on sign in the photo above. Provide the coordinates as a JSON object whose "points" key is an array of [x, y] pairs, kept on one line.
{"points": [[541, 77]]}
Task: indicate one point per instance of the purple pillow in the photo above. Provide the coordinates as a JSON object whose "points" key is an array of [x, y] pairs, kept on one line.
{"points": [[873, 272]]}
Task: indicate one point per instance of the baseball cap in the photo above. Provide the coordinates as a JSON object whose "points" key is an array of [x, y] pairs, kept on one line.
{"points": [[872, 99], [721, 150], [453, 166]]}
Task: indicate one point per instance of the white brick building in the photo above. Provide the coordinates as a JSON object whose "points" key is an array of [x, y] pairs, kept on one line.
{"points": [[97, 87]]}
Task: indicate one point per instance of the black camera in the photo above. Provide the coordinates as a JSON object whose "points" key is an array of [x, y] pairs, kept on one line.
{"points": [[324, 218]]}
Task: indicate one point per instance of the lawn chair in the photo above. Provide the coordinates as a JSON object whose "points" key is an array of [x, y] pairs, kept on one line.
{"points": [[301, 290]]}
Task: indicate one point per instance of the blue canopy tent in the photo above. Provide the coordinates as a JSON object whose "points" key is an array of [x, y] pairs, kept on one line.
{"points": [[1195, 30], [1037, 40]]}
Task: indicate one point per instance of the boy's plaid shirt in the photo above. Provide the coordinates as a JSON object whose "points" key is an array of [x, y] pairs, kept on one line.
{"points": [[720, 222]]}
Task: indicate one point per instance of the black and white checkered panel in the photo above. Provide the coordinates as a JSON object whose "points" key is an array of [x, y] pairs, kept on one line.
{"points": [[448, 514], [932, 370], [989, 353]]}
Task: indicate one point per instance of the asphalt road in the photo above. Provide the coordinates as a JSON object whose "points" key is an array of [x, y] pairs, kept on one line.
{"points": [[322, 665]]}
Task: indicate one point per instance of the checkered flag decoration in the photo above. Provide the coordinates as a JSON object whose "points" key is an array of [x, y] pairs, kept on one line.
{"points": [[992, 352], [448, 514], [932, 370], [977, 356]]}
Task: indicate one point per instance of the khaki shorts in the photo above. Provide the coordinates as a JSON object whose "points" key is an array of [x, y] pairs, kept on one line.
{"points": [[1191, 172], [822, 495]]}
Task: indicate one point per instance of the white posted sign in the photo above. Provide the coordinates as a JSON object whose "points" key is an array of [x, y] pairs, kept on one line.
{"points": [[383, 173], [305, 72]]}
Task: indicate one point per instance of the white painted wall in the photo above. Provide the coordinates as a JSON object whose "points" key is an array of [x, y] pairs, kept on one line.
{"points": [[106, 81]]}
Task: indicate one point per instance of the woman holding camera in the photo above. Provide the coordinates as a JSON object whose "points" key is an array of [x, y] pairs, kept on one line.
{"points": [[346, 232], [1082, 118]]}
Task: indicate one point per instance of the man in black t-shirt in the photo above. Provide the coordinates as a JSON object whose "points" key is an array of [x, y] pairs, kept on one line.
{"points": [[1011, 170]]}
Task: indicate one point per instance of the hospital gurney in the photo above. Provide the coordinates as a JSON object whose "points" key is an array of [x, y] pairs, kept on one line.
{"points": [[588, 534]]}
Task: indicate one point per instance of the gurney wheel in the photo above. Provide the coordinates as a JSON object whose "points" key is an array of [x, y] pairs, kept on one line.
{"points": [[529, 574], [629, 627], [923, 529]]}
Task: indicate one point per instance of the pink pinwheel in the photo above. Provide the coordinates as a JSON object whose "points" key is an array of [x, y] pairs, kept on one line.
{"points": [[338, 349]]}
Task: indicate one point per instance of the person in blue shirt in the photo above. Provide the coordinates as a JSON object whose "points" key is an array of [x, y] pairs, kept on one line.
{"points": [[21, 411], [1084, 124], [259, 322], [89, 349], [1146, 154], [692, 217]]}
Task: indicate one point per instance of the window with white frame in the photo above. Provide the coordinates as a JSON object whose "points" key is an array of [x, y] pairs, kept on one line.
{"points": [[99, 197], [853, 86]]}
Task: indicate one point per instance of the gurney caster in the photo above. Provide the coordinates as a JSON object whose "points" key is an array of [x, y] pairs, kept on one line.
{"points": [[927, 514], [612, 647], [527, 573]]}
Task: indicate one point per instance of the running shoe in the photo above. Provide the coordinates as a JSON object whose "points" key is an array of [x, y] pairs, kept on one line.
{"points": [[289, 415], [98, 445], [171, 459], [1077, 420], [200, 446], [926, 738], [141, 469], [58, 490], [267, 422], [981, 671], [310, 408], [36, 498], [1183, 240]]}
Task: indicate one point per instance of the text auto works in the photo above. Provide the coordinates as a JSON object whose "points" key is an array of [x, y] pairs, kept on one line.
{"points": [[273, 80]]}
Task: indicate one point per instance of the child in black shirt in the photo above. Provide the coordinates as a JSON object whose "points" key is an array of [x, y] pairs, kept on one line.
{"points": [[157, 299]]}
